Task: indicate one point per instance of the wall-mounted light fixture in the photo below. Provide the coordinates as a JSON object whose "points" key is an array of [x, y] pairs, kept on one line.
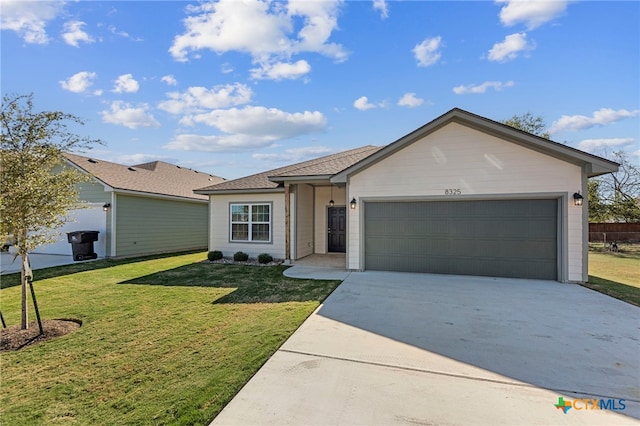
{"points": [[577, 198], [353, 203], [106, 206]]}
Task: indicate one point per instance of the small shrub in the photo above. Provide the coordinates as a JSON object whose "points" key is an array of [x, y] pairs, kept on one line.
{"points": [[265, 258], [240, 256], [214, 255]]}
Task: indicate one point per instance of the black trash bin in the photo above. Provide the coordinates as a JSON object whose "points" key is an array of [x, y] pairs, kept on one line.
{"points": [[82, 244]]}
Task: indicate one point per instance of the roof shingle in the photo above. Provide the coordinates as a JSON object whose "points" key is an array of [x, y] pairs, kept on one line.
{"points": [[156, 177], [323, 166]]}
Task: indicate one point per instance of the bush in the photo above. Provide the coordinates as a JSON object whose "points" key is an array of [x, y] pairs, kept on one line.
{"points": [[265, 258], [240, 256], [214, 255]]}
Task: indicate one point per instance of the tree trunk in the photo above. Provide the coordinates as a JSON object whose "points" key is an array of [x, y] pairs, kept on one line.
{"points": [[25, 272]]}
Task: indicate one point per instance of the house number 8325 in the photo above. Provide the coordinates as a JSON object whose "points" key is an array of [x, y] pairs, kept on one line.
{"points": [[452, 191]]}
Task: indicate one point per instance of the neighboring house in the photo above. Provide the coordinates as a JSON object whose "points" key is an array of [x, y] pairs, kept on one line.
{"points": [[461, 195], [143, 209]]}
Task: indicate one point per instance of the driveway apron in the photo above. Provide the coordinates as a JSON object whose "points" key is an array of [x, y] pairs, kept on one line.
{"points": [[400, 348]]}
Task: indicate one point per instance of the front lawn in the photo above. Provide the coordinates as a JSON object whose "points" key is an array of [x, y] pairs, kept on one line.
{"points": [[616, 274], [163, 341]]}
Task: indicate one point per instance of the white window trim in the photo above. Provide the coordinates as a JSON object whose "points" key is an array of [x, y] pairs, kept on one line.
{"points": [[250, 222]]}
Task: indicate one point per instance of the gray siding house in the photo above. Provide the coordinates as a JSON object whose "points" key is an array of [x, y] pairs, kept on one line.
{"points": [[143, 209], [461, 195]]}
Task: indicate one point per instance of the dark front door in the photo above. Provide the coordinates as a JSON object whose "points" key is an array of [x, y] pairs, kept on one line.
{"points": [[337, 229]]}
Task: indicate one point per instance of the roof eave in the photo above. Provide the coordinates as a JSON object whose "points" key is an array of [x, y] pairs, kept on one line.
{"points": [[311, 179], [597, 164], [238, 191]]}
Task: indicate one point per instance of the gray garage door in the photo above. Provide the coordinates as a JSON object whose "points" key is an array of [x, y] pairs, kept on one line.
{"points": [[498, 238]]}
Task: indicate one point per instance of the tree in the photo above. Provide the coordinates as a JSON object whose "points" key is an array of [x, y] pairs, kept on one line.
{"points": [[36, 192], [528, 123], [598, 211], [620, 191]]}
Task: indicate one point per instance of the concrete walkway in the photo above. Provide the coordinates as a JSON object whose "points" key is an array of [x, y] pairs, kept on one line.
{"points": [[389, 348]]}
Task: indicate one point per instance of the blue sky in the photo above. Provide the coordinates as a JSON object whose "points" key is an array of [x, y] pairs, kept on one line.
{"points": [[238, 87]]}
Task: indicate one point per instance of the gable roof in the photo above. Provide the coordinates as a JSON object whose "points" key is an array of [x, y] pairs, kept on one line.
{"points": [[319, 168], [156, 177], [592, 164]]}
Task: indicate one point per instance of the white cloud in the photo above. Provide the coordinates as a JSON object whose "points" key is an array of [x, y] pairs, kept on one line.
{"points": [[79, 82], [126, 84], [599, 118], [295, 155], [532, 13], [248, 128], [270, 38], [591, 145], [199, 99], [29, 19], [226, 68], [363, 104], [427, 53], [281, 70], [510, 48], [261, 121], [381, 6], [410, 100], [124, 114], [169, 79], [73, 33], [482, 88], [217, 143]]}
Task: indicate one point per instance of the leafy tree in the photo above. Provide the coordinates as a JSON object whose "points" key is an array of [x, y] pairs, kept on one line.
{"points": [[528, 123], [35, 191]]}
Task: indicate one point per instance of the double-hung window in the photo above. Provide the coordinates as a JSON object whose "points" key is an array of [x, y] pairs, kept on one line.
{"points": [[251, 222]]}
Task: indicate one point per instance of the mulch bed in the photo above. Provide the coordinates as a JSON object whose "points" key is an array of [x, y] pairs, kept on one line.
{"points": [[13, 338]]}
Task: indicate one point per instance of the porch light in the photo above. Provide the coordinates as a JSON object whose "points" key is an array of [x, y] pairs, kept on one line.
{"points": [[353, 203], [577, 199], [106, 207]]}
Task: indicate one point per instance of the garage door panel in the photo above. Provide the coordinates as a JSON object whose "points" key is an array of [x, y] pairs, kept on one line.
{"points": [[506, 238]]}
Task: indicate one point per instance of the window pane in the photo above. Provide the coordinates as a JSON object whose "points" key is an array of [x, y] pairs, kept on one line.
{"points": [[260, 213], [239, 232], [260, 232], [239, 213]]}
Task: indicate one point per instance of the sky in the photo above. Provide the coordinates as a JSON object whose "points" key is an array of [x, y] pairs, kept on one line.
{"points": [[235, 87]]}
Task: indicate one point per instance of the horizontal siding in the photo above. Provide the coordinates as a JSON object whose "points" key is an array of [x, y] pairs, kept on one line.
{"points": [[93, 192], [149, 225], [458, 157], [219, 229], [304, 220]]}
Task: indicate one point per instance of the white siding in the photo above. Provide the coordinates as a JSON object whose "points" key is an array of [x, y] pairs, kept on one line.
{"points": [[458, 157], [323, 196], [219, 225], [304, 220]]}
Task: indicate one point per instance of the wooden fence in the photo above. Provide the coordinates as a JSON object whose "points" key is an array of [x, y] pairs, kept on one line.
{"points": [[618, 232]]}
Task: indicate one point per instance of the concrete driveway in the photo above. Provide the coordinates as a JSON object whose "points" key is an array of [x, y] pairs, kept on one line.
{"points": [[392, 348]]}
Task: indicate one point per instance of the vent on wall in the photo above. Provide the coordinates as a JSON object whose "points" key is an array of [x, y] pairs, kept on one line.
{"points": [[131, 168]]}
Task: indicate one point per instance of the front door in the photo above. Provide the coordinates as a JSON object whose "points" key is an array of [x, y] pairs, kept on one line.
{"points": [[337, 229]]}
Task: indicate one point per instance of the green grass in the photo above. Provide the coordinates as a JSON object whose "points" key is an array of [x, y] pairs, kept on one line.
{"points": [[164, 340], [616, 274]]}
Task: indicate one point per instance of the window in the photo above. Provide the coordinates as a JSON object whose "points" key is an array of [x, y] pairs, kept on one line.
{"points": [[251, 222]]}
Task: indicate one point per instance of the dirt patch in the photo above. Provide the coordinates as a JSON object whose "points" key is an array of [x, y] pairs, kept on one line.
{"points": [[13, 338]]}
